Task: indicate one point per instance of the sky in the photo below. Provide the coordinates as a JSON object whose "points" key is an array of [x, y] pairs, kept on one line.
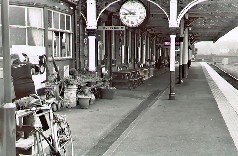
{"points": [[221, 46]]}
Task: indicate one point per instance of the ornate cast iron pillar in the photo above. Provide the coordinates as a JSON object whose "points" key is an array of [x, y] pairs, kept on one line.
{"points": [[172, 67], [185, 54], [109, 45], [91, 28], [181, 52], [189, 55], [172, 25]]}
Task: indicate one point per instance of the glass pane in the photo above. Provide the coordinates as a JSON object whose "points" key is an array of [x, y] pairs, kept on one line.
{"points": [[68, 45], [62, 21], [34, 17], [35, 37], [56, 20], [50, 42], [68, 24], [1, 54], [63, 45], [50, 19], [17, 16], [0, 15], [56, 44], [17, 36]]}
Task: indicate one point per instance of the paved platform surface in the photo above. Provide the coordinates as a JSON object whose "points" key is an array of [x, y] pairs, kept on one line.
{"points": [[143, 122]]}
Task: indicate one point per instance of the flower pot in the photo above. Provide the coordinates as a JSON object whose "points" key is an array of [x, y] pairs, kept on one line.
{"points": [[108, 92], [70, 96], [151, 72], [83, 102]]}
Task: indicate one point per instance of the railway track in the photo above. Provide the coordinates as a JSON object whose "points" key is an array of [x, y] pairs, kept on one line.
{"points": [[227, 76]]}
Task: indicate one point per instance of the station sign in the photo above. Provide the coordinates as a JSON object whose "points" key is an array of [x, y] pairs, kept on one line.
{"points": [[168, 43], [111, 28]]}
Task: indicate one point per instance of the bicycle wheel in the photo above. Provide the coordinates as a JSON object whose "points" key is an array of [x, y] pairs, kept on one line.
{"points": [[64, 138], [39, 144]]}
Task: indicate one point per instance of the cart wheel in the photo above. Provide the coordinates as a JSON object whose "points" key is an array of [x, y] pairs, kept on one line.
{"points": [[54, 107]]}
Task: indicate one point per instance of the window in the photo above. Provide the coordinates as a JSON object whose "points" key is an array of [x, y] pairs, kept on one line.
{"points": [[0, 15], [17, 15], [34, 17], [68, 22], [17, 36], [62, 21], [50, 19], [56, 20], [59, 35], [61, 45], [50, 43], [1, 52], [26, 26], [35, 37]]}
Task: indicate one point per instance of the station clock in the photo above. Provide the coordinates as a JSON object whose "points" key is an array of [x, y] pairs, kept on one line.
{"points": [[132, 13]]}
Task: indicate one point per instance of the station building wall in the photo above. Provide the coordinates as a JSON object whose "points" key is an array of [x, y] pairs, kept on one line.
{"points": [[42, 24]]}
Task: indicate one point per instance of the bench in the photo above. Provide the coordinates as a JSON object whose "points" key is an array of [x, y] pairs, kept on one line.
{"points": [[123, 78], [131, 78]]}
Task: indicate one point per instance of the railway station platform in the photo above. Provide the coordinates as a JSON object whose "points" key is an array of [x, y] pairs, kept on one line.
{"points": [[202, 120]]}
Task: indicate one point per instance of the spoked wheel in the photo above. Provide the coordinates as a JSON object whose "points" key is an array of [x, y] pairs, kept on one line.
{"points": [[64, 136], [68, 149]]}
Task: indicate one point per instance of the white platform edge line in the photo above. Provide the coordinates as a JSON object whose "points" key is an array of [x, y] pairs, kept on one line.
{"points": [[218, 88]]}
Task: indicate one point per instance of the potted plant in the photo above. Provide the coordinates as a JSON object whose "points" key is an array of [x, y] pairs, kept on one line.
{"points": [[70, 93], [84, 96], [107, 92]]}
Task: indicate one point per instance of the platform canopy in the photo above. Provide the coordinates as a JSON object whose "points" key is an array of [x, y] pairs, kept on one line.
{"points": [[207, 21]]}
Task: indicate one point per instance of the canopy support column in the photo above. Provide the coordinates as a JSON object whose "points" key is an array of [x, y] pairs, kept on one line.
{"points": [[7, 110], [185, 54], [181, 52], [172, 25], [91, 27], [172, 67]]}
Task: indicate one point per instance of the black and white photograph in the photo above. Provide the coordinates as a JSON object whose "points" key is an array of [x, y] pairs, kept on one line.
{"points": [[118, 77]]}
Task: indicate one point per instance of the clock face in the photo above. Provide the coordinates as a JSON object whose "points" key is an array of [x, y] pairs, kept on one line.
{"points": [[132, 13]]}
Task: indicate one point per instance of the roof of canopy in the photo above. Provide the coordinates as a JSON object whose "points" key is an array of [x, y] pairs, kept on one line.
{"points": [[208, 20]]}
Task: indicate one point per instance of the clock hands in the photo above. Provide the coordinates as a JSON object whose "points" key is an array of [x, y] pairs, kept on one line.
{"points": [[129, 12], [132, 13]]}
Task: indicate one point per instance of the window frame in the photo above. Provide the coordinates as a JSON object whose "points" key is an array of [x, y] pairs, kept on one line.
{"points": [[53, 29]]}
